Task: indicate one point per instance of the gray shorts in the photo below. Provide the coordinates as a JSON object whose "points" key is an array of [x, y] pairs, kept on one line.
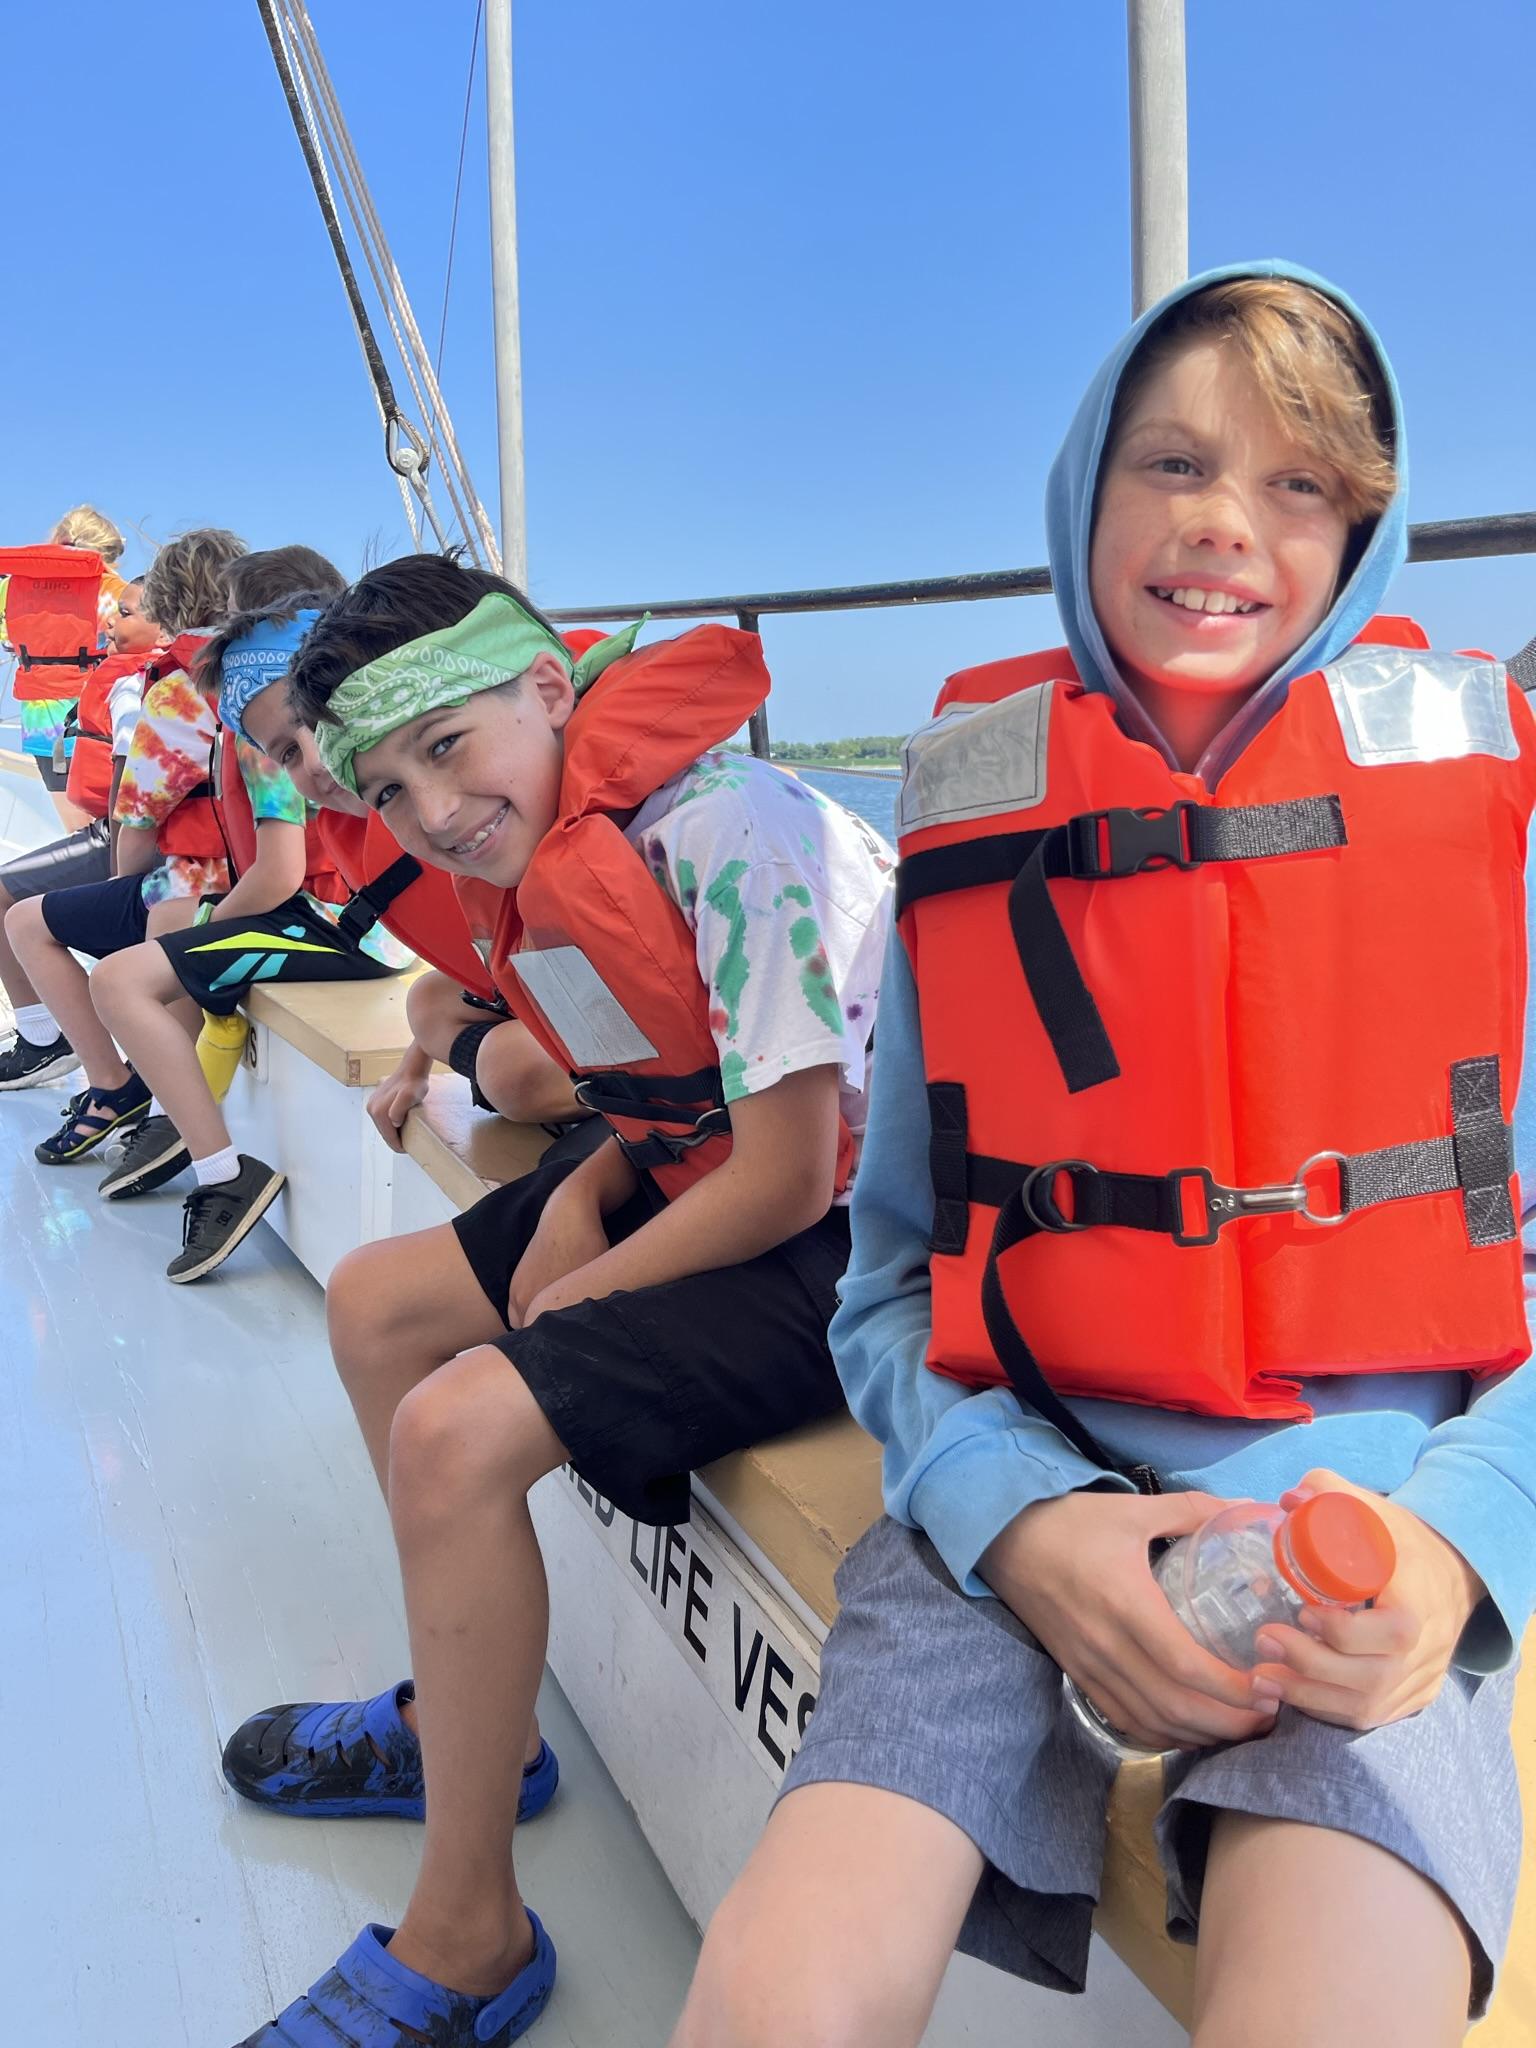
{"points": [[950, 1701], [85, 856]]}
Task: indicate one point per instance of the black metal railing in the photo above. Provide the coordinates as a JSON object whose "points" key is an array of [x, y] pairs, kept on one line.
{"points": [[1436, 540]]}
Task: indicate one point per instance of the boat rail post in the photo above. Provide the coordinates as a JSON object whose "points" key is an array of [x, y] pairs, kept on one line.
{"points": [[757, 724], [504, 296], [1159, 150]]}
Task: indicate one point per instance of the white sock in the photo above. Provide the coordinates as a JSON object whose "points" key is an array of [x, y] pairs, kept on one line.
{"points": [[36, 1023], [156, 1110], [217, 1167]]}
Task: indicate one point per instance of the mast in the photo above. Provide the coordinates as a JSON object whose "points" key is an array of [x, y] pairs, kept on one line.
{"points": [[506, 328], [1159, 150]]}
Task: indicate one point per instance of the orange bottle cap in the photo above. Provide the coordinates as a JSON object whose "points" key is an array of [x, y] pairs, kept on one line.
{"points": [[1340, 1546]]}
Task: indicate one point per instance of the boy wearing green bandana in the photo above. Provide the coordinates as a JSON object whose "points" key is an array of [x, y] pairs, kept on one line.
{"points": [[576, 1315]]}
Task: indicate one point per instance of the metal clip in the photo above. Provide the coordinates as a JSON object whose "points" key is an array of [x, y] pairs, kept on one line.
{"points": [[1225, 1205]]}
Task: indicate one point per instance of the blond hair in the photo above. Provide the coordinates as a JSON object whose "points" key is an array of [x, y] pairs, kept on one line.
{"points": [[1313, 365], [84, 527], [184, 585]]}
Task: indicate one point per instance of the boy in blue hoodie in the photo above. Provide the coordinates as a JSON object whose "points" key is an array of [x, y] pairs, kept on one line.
{"points": [[1224, 518]]}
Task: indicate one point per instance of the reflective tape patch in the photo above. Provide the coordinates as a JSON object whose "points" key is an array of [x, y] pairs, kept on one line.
{"points": [[1405, 704], [977, 761], [582, 1011]]}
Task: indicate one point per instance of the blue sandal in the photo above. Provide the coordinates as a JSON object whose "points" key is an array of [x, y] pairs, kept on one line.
{"points": [[90, 1118], [351, 1759], [368, 2000]]}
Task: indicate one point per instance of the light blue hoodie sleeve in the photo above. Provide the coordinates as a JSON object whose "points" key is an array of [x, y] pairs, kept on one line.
{"points": [[957, 1464], [1474, 1482]]}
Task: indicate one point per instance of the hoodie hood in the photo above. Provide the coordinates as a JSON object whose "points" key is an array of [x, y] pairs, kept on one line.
{"points": [[1069, 501]]}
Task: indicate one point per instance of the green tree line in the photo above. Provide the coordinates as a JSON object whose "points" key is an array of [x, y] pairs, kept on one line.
{"points": [[871, 749]]}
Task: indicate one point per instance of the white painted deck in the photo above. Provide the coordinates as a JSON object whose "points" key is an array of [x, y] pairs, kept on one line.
{"points": [[189, 1531]]}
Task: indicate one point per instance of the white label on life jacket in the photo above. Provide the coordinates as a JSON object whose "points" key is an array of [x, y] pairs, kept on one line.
{"points": [[582, 1011], [1406, 704], [977, 760]]}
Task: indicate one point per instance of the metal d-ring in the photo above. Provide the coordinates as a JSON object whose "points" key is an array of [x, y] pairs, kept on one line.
{"points": [[1057, 1224], [1320, 1159]]}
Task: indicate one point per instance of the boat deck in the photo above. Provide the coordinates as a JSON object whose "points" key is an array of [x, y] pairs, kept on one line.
{"points": [[190, 1531]]}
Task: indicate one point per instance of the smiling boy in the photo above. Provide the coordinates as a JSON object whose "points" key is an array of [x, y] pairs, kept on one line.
{"points": [[1236, 878], [695, 937]]}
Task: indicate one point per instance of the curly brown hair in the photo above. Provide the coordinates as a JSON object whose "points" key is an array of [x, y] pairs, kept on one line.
{"points": [[185, 584]]}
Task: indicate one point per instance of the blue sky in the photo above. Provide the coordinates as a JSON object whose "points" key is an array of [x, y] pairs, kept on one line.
{"points": [[809, 292]]}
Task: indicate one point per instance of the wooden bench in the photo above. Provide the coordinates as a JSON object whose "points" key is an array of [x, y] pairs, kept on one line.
{"points": [[796, 1505]]}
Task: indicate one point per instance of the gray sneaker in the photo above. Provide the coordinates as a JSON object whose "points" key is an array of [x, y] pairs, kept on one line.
{"points": [[152, 1154], [216, 1219]]}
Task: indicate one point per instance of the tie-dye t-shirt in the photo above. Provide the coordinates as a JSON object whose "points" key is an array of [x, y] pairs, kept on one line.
{"points": [[789, 898], [167, 760], [275, 800]]}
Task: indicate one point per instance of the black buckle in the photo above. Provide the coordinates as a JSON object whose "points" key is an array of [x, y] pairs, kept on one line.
{"points": [[1105, 845]]}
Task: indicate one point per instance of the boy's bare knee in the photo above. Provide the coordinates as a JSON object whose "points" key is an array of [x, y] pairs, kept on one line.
{"points": [[468, 1429], [24, 918], [360, 1300], [749, 1993]]}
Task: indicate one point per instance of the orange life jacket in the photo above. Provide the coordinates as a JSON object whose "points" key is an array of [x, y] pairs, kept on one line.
{"points": [[237, 827], [589, 952], [192, 830], [90, 763], [51, 619], [417, 904], [1221, 1080]]}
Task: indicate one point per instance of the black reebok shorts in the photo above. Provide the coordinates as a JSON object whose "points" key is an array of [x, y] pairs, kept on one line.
{"points": [[645, 1387], [217, 962]]}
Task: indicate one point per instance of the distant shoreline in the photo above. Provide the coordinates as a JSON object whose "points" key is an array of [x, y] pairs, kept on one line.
{"points": [[889, 770]]}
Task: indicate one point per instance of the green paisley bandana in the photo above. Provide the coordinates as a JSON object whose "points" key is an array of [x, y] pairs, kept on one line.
{"points": [[490, 647]]}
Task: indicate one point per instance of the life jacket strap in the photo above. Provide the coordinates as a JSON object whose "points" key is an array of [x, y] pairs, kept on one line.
{"points": [[1477, 1158], [1102, 846], [87, 658], [696, 1102], [363, 911]]}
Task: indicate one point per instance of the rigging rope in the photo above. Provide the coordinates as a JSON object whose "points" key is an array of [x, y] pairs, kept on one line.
{"points": [[378, 375], [322, 132], [471, 514], [458, 182]]}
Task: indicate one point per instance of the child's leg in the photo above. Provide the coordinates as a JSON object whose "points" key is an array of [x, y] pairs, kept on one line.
{"points": [[61, 982], [466, 1447], [437, 1012], [513, 1074], [839, 1930], [13, 977], [1310, 1935], [140, 1001], [397, 1311]]}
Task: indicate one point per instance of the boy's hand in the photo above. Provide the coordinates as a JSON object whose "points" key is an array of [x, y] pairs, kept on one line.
{"points": [[1076, 1572], [569, 1236], [396, 1096], [1361, 1670]]}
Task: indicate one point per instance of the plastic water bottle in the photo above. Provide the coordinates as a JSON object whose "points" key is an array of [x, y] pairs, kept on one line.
{"points": [[1254, 1565]]}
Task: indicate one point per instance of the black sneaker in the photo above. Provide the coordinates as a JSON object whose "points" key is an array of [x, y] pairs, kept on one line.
{"points": [[153, 1154], [216, 1219], [25, 1065]]}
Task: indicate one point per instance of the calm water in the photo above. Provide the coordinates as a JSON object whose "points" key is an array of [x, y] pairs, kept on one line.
{"points": [[871, 796]]}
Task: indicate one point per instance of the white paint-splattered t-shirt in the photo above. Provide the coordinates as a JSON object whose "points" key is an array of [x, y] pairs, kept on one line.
{"points": [[789, 899]]}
